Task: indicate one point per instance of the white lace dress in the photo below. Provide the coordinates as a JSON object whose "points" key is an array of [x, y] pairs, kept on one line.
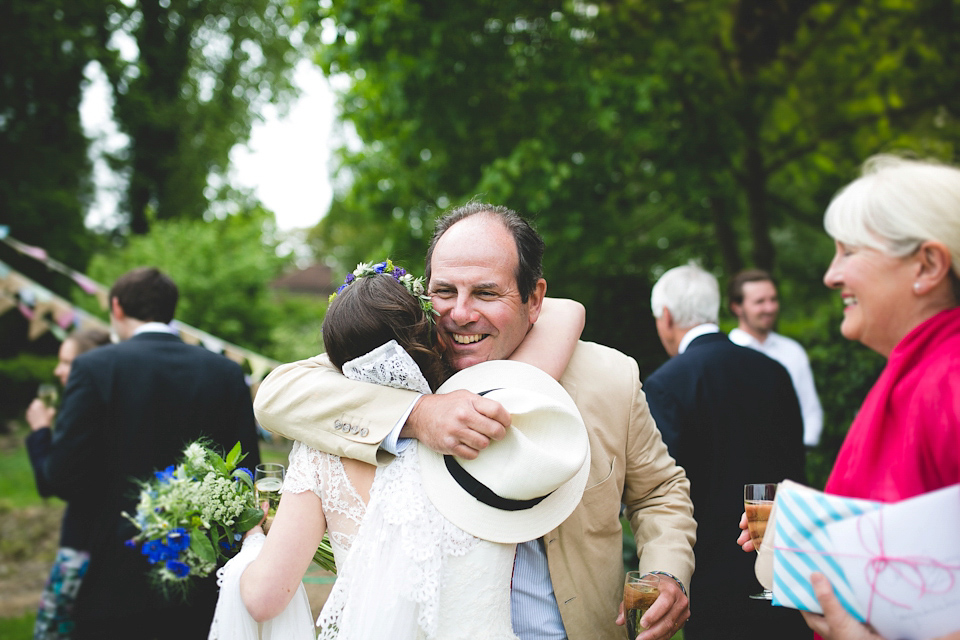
{"points": [[407, 573]]}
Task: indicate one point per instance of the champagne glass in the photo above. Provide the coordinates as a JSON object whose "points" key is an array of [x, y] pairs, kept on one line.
{"points": [[267, 482], [757, 503], [47, 392], [640, 591]]}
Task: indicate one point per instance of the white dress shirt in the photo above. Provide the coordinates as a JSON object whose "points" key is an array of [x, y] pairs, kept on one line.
{"points": [[792, 356], [694, 333]]}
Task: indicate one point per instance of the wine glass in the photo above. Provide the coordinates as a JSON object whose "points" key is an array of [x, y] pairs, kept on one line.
{"points": [[267, 482], [48, 393], [640, 591], [757, 503]]}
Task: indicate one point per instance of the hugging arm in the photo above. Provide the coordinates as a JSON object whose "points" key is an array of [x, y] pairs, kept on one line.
{"points": [[550, 342], [313, 402], [271, 581]]}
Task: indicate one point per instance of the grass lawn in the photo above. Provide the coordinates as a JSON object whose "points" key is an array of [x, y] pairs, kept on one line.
{"points": [[18, 628]]}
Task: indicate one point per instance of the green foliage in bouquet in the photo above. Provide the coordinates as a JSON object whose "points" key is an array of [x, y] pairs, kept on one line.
{"points": [[324, 555], [192, 516]]}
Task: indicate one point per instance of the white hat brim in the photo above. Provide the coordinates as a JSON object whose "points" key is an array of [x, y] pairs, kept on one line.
{"points": [[488, 522]]}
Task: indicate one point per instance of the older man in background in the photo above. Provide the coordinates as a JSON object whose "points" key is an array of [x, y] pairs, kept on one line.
{"points": [[730, 417]]}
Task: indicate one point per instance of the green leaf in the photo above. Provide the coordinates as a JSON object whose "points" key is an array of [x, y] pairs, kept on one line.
{"points": [[200, 544], [218, 464], [248, 519], [234, 456], [243, 477]]}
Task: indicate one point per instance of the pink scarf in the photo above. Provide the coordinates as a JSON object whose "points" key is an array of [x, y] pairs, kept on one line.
{"points": [[905, 440]]}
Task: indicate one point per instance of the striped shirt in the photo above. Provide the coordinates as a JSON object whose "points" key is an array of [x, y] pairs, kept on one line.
{"points": [[534, 611]]}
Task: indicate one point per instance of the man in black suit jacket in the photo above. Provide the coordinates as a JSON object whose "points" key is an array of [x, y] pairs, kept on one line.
{"points": [[128, 410], [729, 415]]}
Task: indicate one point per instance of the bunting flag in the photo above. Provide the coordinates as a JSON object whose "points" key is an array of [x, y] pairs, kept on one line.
{"points": [[46, 311]]}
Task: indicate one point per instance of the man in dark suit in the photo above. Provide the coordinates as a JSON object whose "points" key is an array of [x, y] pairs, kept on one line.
{"points": [[729, 415], [128, 410]]}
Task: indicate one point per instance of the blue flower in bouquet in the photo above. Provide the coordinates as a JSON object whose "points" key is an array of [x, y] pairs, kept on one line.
{"points": [[178, 569], [188, 511], [166, 475], [178, 539], [157, 551]]}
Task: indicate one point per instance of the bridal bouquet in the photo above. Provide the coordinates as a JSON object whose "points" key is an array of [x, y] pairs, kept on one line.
{"points": [[192, 515]]}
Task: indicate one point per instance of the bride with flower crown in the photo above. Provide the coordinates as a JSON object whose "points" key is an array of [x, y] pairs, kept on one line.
{"points": [[404, 567]]}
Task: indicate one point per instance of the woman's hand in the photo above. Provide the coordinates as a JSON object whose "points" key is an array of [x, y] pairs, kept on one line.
{"points": [[262, 526], [835, 623], [39, 415], [745, 542]]}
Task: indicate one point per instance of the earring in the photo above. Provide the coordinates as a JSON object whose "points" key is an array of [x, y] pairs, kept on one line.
{"points": [[916, 287]]}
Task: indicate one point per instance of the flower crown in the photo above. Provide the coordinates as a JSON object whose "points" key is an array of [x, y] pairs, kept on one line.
{"points": [[413, 285]]}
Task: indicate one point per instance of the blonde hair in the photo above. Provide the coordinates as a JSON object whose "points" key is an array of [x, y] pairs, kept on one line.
{"points": [[897, 204]]}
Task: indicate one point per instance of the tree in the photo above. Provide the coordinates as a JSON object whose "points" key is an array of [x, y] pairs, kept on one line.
{"points": [[222, 269], [45, 183], [200, 75], [637, 134]]}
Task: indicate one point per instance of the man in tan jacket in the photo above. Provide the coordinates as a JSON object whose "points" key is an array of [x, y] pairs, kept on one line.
{"points": [[484, 277]]}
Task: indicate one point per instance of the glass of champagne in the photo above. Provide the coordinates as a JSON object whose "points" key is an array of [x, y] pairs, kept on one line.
{"points": [[757, 503], [639, 593], [47, 392], [267, 482]]}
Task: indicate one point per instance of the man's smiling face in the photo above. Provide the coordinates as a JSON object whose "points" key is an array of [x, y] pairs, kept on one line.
{"points": [[473, 285]]}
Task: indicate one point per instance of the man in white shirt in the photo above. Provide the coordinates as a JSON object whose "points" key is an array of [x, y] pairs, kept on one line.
{"points": [[753, 300]]}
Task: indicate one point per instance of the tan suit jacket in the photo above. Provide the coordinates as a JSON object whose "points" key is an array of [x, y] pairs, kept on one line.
{"points": [[312, 402]]}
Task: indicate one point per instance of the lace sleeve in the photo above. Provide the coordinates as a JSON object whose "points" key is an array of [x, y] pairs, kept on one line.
{"points": [[303, 474], [312, 470]]}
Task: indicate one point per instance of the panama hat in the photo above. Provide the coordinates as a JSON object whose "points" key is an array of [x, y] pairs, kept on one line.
{"points": [[523, 486]]}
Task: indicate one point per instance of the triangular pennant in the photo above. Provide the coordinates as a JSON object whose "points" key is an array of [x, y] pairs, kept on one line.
{"points": [[233, 353], [38, 327], [88, 285], [259, 367], [6, 303]]}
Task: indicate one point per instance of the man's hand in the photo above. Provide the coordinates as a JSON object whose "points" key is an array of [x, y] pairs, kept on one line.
{"points": [[39, 415], [666, 615], [745, 542], [835, 623], [458, 423]]}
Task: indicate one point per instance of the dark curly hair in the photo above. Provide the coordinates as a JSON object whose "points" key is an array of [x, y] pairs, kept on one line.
{"points": [[376, 309]]}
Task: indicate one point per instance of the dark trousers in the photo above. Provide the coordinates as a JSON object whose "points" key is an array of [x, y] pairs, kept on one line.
{"points": [[177, 623]]}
